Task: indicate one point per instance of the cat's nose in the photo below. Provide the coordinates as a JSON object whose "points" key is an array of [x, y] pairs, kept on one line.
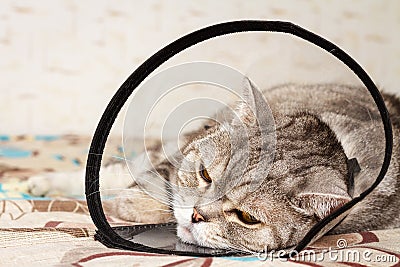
{"points": [[196, 216]]}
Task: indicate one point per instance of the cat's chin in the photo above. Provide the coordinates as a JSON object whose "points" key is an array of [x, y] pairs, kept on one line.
{"points": [[185, 234]]}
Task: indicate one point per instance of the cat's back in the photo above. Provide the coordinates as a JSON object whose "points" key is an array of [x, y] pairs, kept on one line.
{"points": [[348, 101], [354, 118]]}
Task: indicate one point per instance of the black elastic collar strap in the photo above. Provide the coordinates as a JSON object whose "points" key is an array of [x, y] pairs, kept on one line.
{"points": [[109, 236]]}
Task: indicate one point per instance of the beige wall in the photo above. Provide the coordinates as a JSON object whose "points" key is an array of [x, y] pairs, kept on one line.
{"points": [[61, 61]]}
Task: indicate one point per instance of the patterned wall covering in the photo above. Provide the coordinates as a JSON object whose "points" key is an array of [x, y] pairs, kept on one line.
{"points": [[60, 61]]}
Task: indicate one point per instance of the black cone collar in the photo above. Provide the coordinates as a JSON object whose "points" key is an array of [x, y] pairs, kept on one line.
{"points": [[109, 236]]}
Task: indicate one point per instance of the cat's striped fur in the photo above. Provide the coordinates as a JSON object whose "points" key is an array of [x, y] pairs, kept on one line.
{"points": [[318, 127]]}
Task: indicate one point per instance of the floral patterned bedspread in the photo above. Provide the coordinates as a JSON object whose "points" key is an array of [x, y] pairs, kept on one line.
{"points": [[59, 232]]}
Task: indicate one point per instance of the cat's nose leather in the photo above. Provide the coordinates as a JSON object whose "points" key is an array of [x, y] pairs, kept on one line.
{"points": [[196, 216]]}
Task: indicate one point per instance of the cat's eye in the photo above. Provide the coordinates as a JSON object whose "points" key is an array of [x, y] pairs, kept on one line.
{"points": [[246, 217], [204, 174]]}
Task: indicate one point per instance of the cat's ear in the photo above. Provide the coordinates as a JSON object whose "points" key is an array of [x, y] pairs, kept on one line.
{"points": [[253, 106], [318, 204]]}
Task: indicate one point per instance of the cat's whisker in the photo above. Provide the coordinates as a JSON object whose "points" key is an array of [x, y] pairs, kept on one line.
{"points": [[133, 190], [105, 155], [136, 198], [108, 172], [110, 190], [160, 194], [122, 159], [164, 210], [242, 248], [369, 114], [162, 189]]}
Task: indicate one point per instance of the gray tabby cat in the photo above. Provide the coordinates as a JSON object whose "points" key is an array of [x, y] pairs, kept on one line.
{"points": [[318, 128]]}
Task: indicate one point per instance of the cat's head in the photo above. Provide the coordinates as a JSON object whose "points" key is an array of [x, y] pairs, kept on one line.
{"points": [[303, 182]]}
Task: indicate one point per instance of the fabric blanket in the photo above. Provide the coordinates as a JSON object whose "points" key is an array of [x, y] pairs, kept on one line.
{"points": [[59, 231]]}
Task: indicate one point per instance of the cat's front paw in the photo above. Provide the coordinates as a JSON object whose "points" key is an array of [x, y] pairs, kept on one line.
{"points": [[53, 184], [39, 185], [137, 206]]}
